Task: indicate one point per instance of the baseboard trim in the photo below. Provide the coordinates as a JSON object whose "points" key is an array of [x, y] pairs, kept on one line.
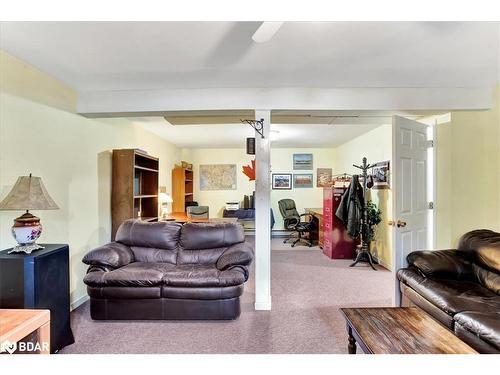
{"points": [[266, 305], [381, 263], [79, 301], [280, 233]]}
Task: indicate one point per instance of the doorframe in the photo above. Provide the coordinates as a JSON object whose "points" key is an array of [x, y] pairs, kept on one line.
{"points": [[434, 122]]}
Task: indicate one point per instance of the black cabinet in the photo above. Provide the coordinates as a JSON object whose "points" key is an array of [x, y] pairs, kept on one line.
{"points": [[39, 280]]}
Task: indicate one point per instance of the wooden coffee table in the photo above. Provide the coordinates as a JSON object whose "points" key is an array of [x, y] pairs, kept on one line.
{"points": [[15, 324], [399, 330]]}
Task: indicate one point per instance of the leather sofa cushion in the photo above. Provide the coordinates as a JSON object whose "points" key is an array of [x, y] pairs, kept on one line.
{"points": [[451, 296], [192, 275], [489, 257], [484, 246], [138, 274], [442, 263], [487, 278], [113, 254], [416, 299], [473, 340], [198, 236], [239, 254], [475, 239], [148, 254], [211, 293], [485, 325], [202, 257], [159, 235], [123, 292]]}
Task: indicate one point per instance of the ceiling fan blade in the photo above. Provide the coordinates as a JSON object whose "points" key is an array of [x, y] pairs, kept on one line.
{"points": [[266, 31]]}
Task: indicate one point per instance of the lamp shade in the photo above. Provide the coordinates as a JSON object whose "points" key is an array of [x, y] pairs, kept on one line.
{"points": [[165, 198], [28, 193]]}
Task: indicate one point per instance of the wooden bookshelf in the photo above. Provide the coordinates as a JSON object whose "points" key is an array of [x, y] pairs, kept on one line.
{"points": [[182, 188], [134, 187]]}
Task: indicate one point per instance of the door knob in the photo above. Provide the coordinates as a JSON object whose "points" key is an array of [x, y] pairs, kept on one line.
{"points": [[391, 222], [401, 224]]}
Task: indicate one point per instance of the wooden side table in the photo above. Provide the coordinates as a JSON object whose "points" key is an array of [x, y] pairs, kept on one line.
{"points": [[39, 280], [17, 324]]}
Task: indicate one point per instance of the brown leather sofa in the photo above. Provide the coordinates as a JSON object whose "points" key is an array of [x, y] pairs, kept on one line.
{"points": [[460, 288], [167, 270]]}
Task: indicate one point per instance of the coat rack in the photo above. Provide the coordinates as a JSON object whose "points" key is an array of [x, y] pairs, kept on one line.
{"points": [[363, 253]]}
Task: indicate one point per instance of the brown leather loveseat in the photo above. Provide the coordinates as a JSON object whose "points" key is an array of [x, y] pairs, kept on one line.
{"points": [[167, 270], [459, 288]]}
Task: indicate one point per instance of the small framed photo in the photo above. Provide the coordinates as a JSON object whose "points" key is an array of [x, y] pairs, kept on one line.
{"points": [[303, 180], [324, 177], [303, 162], [282, 181], [381, 175]]}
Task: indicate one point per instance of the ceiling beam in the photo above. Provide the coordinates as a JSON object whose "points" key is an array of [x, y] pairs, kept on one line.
{"points": [[108, 103]]}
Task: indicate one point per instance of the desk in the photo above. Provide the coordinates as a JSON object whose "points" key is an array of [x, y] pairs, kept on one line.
{"points": [[246, 217], [16, 324], [317, 217], [181, 217]]}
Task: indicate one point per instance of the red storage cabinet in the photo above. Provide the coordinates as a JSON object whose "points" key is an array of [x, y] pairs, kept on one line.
{"points": [[336, 242]]}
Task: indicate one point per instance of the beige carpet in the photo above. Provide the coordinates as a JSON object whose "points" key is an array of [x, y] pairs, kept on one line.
{"points": [[307, 291], [277, 244]]}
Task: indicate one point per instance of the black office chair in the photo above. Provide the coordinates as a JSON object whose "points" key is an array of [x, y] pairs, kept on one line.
{"points": [[293, 222], [197, 212]]}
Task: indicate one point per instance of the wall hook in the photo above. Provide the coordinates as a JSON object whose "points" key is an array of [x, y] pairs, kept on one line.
{"points": [[258, 125]]}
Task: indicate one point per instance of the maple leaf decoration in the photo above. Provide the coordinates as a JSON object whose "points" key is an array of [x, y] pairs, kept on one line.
{"points": [[249, 171]]}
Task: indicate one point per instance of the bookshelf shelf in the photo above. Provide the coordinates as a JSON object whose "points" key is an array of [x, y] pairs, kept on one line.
{"points": [[182, 188], [134, 187]]}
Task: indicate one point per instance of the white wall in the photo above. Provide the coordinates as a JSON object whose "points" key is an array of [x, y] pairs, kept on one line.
{"points": [[72, 154], [468, 173], [281, 162], [216, 199], [376, 146]]}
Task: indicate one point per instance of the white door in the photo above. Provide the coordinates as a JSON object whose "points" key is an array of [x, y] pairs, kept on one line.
{"points": [[410, 208]]}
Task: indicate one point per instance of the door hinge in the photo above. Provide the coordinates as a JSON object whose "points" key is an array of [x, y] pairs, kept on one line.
{"points": [[430, 143], [431, 205]]}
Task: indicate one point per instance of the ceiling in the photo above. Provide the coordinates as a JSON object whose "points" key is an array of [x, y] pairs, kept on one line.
{"points": [[110, 56], [92, 56], [234, 135]]}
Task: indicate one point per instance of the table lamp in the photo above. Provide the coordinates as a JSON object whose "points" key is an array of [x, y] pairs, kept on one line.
{"points": [[28, 193], [165, 199]]}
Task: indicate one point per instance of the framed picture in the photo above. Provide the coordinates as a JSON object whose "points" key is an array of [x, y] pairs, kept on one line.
{"points": [[282, 181], [381, 175], [324, 177], [303, 161], [303, 180]]}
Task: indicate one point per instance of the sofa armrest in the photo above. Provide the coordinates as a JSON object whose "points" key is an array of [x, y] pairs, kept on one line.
{"points": [[444, 264], [240, 254], [99, 268], [113, 255]]}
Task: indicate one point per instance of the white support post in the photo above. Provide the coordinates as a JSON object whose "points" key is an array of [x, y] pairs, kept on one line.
{"points": [[262, 214]]}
